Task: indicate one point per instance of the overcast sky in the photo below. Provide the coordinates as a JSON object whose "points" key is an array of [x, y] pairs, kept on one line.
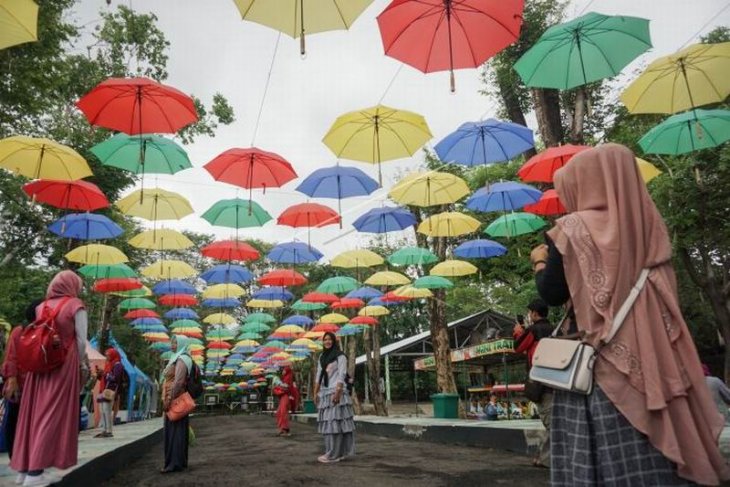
{"points": [[212, 50]]}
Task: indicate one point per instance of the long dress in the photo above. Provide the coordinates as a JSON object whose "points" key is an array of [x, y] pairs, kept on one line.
{"points": [[282, 413], [336, 421], [176, 432]]}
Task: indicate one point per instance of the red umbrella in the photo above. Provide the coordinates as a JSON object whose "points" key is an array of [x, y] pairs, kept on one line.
{"points": [[440, 35], [116, 285], [308, 215], [348, 303], [541, 168], [138, 106], [251, 168], [548, 205], [190, 334], [315, 297], [178, 300], [390, 297], [230, 250], [219, 345], [140, 313], [364, 320], [282, 277], [67, 195], [325, 327]]}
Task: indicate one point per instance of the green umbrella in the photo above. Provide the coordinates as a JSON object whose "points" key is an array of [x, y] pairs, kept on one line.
{"points": [[220, 334], [412, 256], [300, 305], [338, 285], [275, 344], [107, 271], [134, 293], [236, 213], [137, 303], [586, 49], [259, 317], [432, 282], [514, 224], [184, 324], [249, 335], [255, 327], [688, 132], [142, 154]]}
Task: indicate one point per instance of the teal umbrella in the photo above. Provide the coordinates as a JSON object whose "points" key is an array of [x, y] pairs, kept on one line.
{"points": [[432, 282], [259, 317], [688, 132], [589, 48], [107, 271], [184, 323], [255, 327], [515, 224], [142, 154], [300, 305], [137, 303], [249, 335], [338, 285], [412, 256], [236, 213]]}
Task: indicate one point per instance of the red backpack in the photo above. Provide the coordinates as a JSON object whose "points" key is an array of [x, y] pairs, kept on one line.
{"points": [[40, 348]]}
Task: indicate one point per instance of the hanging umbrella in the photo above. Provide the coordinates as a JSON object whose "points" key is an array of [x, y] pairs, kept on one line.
{"points": [[184, 323], [349, 330], [338, 285], [178, 300], [142, 154], [411, 292], [168, 269], [647, 170], [299, 17], [515, 224], [377, 134], [480, 249], [222, 291], [155, 204], [181, 313], [39, 158], [485, 142], [299, 320], [140, 313], [260, 317], [273, 346], [453, 268], [230, 250], [690, 78], [325, 328], [449, 224], [265, 303], [337, 182], [116, 284], [506, 196], [68, 195], [162, 239], [85, 226], [432, 282], [249, 336], [289, 331], [373, 311], [300, 305], [135, 293], [251, 168], [137, 303], [221, 303], [173, 286], [348, 303], [548, 205], [146, 321], [429, 188], [282, 277], [688, 132], [356, 259], [220, 334], [255, 327], [91, 271], [387, 278], [219, 319], [96, 254], [390, 298], [294, 253], [364, 292], [138, 106], [364, 321], [18, 22], [236, 213], [319, 297], [273, 293], [586, 49], [226, 273], [440, 35], [308, 215], [541, 168], [335, 318], [412, 256], [383, 220]]}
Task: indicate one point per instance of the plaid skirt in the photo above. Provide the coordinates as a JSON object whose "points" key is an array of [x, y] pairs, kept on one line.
{"points": [[594, 444]]}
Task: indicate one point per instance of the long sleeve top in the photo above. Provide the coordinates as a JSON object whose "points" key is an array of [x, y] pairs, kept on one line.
{"points": [[81, 326], [113, 379], [10, 364], [550, 281], [175, 380], [336, 373]]}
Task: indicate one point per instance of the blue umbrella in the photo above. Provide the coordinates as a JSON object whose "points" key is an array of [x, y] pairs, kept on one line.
{"points": [[85, 226], [226, 274], [480, 249], [379, 302], [160, 346], [273, 292], [146, 321], [173, 286], [242, 349], [506, 196], [337, 182], [364, 292], [294, 253], [221, 303], [386, 219], [181, 314], [299, 320], [485, 142], [151, 329]]}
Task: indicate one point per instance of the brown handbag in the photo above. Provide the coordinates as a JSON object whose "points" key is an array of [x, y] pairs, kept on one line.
{"points": [[108, 394], [180, 407]]}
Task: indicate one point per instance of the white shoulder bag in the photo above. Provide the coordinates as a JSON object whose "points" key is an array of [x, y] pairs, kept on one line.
{"points": [[568, 364]]}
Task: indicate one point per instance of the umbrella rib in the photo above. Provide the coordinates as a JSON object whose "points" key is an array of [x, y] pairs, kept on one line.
{"points": [[434, 10], [545, 58], [433, 39], [603, 54], [709, 81]]}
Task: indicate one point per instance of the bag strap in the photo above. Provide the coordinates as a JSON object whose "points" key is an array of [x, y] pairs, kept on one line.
{"points": [[561, 323], [54, 313], [623, 311]]}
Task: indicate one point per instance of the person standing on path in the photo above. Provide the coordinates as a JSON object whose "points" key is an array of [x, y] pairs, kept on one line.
{"points": [[719, 391], [175, 379], [287, 400], [111, 380], [335, 420]]}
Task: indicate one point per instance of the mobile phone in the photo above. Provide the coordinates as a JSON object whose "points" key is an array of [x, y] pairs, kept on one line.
{"points": [[520, 319]]}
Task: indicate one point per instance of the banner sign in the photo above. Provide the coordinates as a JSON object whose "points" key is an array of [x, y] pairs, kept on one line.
{"points": [[501, 345]]}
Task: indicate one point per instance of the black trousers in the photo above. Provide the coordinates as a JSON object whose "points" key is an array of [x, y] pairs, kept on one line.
{"points": [[176, 444], [13, 411]]}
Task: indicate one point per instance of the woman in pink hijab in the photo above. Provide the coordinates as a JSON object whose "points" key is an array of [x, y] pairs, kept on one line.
{"points": [[650, 419], [48, 425]]}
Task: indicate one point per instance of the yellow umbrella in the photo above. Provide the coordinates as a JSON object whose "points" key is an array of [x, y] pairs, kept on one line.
{"points": [[18, 22], [196, 346], [387, 278], [281, 356], [412, 292], [648, 170], [96, 254], [373, 311], [429, 188], [265, 303], [453, 268], [306, 342], [223, 291], [249, 365], [39, 158], [246, 343], [693, 77], [316, 335], [448, 224], [219, 319], [291, 330], [352, 259], [138, 293], [162, 239], [300, 17], [168, 269], [155, 204], [335, 318], [377, 134]]}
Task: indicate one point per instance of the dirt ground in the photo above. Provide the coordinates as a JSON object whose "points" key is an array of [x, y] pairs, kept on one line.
{"points": [[240, 450]]}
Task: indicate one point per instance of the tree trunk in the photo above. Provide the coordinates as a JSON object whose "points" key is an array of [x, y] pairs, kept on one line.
{"points": [[351, 355], [547, 110], [512, 106], [439, 333], [577, 119], [379, 397], [376, 396]]}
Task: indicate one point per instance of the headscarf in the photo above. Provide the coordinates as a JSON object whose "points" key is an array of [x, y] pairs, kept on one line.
{"points": [[650, 370], [328, 356], [65, 284], [287, 377], [183, 352], [112, 358]]}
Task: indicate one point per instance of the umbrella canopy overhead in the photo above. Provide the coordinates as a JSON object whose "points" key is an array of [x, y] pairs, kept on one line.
{"points": [[219, 319], [104, 271], [40, 158], [412, 256], [541, 168], [373, 311], [647, 170], [220, 303], [411, 292], [137, 303], [308, 215], [85, 226], [236, 213], [142, 154], [68, 195], [432, 282], [387, 278], [181, 314], [338, 285], [300, 305], [140, 313], [319, 297], [505, 196], [116, 284], [96, 254], [549, 204], [162, 239], [173, 286], [430, 188], [453, 268], [480, 249], [688, 132], [348, 303], [383, 220], [337, 182], [265, 303], [299, 320], [449, 224], [364, 292], [168, 269], [282, 277], [223, 291], [226, 273], [485, 142], [294, 253], [355, 259], [272, 293], [18, 22], [251, 168], [178, 300], [155, 204], [515, 224], [230, 250], [260, 317]]}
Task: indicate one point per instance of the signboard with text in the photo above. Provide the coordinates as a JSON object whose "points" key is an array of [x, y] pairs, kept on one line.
{"points": [[501, 345]]}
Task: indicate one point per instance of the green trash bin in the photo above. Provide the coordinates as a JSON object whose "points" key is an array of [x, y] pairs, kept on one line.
{"points": [[309, 407], [445, 405]]}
